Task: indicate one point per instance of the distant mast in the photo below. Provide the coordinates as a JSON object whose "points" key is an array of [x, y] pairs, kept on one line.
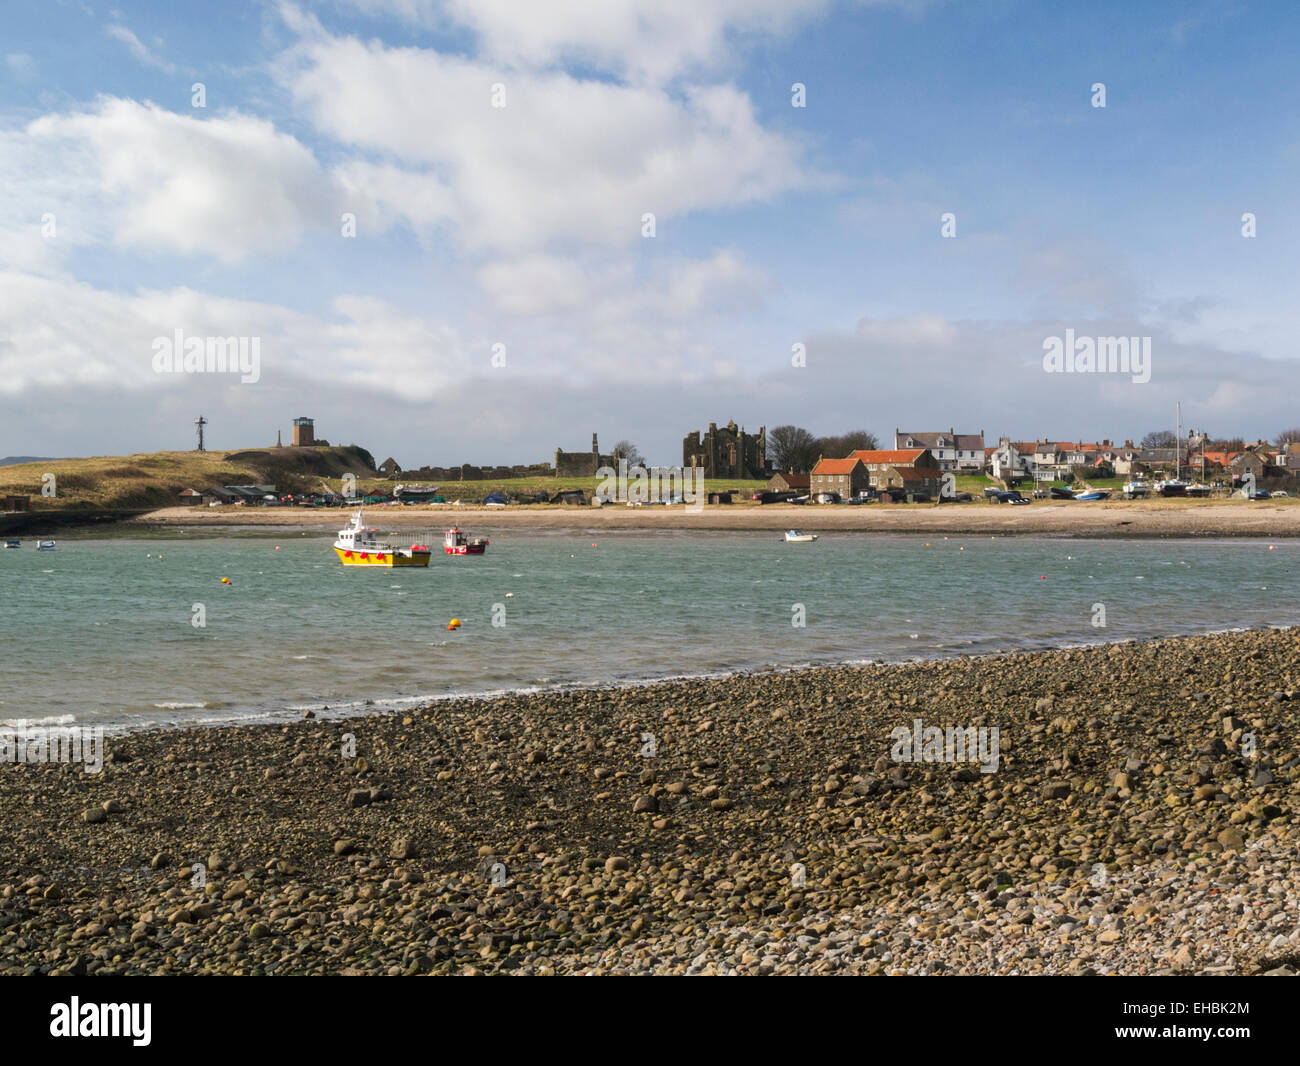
{"points": [[1178, 444], [199, 423]]}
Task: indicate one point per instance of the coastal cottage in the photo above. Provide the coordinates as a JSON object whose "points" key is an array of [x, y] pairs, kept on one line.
{"points": [[950, 451], [1010, 460], [845, 477], [1249, 463], [789, 483], [1120, 459], [908, 480], [886, 467]]}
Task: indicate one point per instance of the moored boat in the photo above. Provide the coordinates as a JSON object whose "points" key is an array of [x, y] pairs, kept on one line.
{"points": [[13, 544], [46, 546], [454, 542], [793, 536], [361, 545]]}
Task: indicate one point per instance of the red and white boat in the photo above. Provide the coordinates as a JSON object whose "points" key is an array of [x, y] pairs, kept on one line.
{"points": [[454, 542]]}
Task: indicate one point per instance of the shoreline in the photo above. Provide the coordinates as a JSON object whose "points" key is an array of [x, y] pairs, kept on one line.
{"points": [[1108, 519], [1140, 783], [389, 706]]}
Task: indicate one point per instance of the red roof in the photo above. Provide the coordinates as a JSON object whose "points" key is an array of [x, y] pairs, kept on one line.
{"points": [[890, 456], [920, 473], [835, 466]]}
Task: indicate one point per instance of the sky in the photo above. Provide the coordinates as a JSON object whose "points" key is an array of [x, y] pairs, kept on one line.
{"points": [[429, 218]]}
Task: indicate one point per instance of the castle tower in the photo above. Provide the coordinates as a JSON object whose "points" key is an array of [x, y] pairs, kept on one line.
{"points": [[304, 432]]}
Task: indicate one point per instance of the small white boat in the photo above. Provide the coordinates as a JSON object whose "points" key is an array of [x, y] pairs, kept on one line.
{"points": [[793, 536], [46, 546]]}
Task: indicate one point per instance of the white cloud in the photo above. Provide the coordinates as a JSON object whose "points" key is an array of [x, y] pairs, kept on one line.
{"points": [[643, 41], [535, 284], [63, 334], [138, 49], [142, 176], [566, 161]]}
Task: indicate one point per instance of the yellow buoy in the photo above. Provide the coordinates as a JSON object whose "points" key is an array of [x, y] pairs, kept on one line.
{"points": [[454, 624]]}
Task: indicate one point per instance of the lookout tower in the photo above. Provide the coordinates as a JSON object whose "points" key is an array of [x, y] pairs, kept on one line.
{"points": [[304, 432]]}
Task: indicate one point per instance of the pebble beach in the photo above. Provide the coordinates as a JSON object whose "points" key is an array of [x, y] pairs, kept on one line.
{"points": [[1143, 818]]}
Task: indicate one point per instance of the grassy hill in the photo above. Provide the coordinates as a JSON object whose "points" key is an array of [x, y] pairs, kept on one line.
{"points": [[155, 479]]}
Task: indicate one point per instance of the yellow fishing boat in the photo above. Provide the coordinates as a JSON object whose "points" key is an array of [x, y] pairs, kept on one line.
{"points": [[359, 545]]}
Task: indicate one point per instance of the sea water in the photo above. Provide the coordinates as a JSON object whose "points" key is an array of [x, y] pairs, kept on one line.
{"points": [[140, 631]]}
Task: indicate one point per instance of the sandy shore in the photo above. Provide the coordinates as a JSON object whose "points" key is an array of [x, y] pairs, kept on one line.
{"points": [[1142, 818], [1162, 518]]}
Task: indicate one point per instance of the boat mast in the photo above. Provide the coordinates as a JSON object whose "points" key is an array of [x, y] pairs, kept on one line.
{"points": [[1178, 446]]}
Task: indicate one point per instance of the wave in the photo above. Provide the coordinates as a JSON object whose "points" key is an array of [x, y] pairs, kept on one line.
{"points": [[51, 719]]}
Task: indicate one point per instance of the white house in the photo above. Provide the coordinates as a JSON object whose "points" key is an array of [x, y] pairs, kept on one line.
{"points": [[951, 450]]}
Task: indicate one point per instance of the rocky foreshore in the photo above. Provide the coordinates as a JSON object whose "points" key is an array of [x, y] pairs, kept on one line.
{"points": [[1143, 818]]}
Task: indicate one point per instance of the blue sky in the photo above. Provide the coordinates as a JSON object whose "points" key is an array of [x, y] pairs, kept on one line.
{"points": [[521, 225]]}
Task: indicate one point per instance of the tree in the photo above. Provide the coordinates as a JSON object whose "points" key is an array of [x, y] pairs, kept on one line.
{"points": [[792, 449], [1289, 436], [625, 449], [1160, 438], [839, 447]]}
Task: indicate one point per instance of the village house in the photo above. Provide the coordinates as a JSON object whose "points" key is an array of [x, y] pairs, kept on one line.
{"points": [[909, 480], [879, 458], [789, 483], [1120, 460], [1248, 462], [844, 477], [909, 469], [1010, 461], [950, 451]]}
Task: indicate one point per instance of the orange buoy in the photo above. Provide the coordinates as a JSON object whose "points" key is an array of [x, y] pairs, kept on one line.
{"points": [[454, 624]]}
